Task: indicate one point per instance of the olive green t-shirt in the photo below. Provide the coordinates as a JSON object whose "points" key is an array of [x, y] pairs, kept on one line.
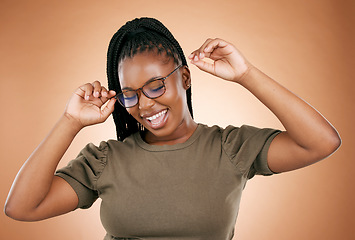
{"points": [[187, 191]]}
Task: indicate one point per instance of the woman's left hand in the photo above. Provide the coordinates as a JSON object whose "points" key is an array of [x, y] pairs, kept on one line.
{"points": [[308, 136], [227, 62]]}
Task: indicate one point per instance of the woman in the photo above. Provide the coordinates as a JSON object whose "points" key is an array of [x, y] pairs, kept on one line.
{"points": [[167, 176]]}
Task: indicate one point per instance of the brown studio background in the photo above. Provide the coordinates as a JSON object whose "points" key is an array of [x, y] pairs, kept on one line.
{"points": [[48, 48]]}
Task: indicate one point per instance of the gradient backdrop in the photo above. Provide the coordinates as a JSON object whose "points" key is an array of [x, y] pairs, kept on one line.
{"points": [[49, 48]]}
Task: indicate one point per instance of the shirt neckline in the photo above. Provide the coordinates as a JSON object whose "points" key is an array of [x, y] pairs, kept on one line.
{"points": [[160, 148]]}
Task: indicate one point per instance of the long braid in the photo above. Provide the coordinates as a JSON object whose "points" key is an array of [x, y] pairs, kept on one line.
{"points": [[122, 119], [133, 37]]}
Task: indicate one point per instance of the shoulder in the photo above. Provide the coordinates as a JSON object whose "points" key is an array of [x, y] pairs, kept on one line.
{"points": [[116, 146], [227, 133], [214, 130], [232, 138], [245, 132]]}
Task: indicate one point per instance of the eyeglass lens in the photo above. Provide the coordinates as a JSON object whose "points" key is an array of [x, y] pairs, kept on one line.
{"points": [[152, 90]]}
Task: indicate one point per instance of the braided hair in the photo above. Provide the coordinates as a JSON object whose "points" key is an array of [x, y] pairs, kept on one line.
{"points": [[136, 36]]}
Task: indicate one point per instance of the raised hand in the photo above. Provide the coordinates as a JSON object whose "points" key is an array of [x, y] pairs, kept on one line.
{"points": [[87, 106], [46, 194], [227, 62]]}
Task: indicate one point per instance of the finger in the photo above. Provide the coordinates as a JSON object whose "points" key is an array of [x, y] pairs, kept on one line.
{"points": [[85, 91], [111, 94], [106, 95], [214, 49], [207, 44], [104, 92], [97, 89], [108, 109], [199, 53], [213, 45], [204, 66]]}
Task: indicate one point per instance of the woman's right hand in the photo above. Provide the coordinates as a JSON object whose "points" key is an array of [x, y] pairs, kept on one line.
{"points": [[47, 195], [87, 104]]}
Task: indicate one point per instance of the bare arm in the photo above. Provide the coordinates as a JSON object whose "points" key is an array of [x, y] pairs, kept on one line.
{"points": [[308, 138], [36, 193]]}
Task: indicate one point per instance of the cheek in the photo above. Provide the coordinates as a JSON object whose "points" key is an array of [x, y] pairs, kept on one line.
{"points": [[134, 112], [175, 92], [175, 100], [170, 98]]}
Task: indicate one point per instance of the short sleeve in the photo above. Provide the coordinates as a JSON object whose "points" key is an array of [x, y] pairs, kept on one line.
{"points": [[83, 172], [247, 148]]}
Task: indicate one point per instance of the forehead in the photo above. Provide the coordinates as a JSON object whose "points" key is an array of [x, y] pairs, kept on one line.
{"points": [[134, 72]]}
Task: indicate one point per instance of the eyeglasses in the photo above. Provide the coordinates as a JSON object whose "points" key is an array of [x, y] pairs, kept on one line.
{"points": [[152, 89]]}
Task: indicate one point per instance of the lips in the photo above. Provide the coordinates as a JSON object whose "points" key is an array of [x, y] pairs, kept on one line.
{"points": [[156, 120]]}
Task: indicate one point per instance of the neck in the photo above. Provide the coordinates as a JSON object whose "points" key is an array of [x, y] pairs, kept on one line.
{"points": [[180, 135]]}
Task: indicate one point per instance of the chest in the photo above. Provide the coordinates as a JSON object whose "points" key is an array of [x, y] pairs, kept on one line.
{"points": [[171, 194]]}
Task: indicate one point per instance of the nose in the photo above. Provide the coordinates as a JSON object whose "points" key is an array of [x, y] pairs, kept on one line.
{"points": [[144, 102]]}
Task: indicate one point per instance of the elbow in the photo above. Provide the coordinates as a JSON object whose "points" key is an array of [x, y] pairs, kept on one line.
{"points": [[15, 213], [9, 211], [330, 144], [324, 147], [335, 142], [12, 212]]}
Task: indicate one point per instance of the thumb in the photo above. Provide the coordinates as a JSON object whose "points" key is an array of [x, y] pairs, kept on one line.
{"points": [[204, 66], [108, 109]]}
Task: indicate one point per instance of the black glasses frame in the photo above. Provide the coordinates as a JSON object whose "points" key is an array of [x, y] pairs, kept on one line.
{"points": [[142, 88]]}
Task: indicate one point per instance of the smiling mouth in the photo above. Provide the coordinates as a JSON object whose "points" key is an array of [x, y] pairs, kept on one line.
{"points": [[157, 120]]}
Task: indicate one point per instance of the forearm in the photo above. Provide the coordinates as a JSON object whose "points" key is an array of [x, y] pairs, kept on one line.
{"points": [[305, 126], [34, 179], [308, 138]]}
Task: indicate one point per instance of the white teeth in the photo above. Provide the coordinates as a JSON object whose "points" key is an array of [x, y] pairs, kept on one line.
{"points": [[157, 115]]}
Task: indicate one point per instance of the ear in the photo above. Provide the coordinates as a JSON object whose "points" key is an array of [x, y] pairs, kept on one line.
{"points": [[186, 77]]}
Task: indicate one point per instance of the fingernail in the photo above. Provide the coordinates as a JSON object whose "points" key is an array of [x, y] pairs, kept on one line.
{"points": [[202, 55], [191, 55], [86, 97], [195, 58]]}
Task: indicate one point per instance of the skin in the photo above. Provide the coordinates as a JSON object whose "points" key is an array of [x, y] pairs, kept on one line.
{"points": [[179, 125], [36, 196], [308, 137]]}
